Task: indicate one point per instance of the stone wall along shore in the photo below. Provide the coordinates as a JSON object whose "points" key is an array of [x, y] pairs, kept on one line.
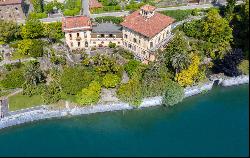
{"points": [[44, 113]]}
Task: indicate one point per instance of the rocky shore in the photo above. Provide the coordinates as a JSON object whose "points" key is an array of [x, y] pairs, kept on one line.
{"points": [[45, 112]]}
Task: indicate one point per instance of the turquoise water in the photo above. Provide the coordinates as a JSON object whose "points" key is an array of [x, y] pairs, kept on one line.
{"points": [[211, 124]]}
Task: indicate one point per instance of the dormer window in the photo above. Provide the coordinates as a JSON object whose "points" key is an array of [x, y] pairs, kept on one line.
{"points": [[147, 11]]}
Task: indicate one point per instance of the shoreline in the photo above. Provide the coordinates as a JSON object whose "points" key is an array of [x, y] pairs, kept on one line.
{"points": [[43, 112]]}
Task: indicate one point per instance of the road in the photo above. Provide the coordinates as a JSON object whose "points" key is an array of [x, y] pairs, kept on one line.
{"points": [[123, 13]]}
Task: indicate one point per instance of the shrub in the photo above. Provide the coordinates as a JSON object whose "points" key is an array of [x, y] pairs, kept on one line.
{"points": [[71, 12], [89, 95], [32, 29], [31, 89], [110, 80], [34, 15], [155, 81], [244, 67], [75, 79], [195, 12], [131, 66], [228, 65], [124, 53], [58, 60], [173, 95], [30, 47], [131, 92], [13, 79], [9, 31], [112, 45], [52, 93], [188, 76], [53, 31]]}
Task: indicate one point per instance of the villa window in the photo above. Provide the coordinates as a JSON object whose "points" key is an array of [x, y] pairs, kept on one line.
{"points": [[125, 36], [79, 43], [102, 35], [151, 44], [134, 40], [85, 34], [94, 42], [70, 36], [77, 34], [86, 44], [71, 44], [129, 46], [139, 41], [110, 35]]}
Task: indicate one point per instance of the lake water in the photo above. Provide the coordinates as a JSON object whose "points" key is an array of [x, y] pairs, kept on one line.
{"points": [[210, 124]]}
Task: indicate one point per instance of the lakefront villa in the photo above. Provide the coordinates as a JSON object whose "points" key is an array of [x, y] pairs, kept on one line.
{"points": [[142, 32]]}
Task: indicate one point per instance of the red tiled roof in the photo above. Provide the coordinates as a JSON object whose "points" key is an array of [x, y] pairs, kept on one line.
{"points": [[10, 2], [94, 4], [147, 27], [76, 23], [148, 7]]}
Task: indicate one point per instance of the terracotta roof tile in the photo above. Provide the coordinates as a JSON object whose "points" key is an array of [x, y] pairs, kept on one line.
{"points": [[147, 27], [76, 23], [94, 4], [10, 2]]}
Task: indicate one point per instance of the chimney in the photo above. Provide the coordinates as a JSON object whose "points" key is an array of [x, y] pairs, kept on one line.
{"points": [[85, 8]]}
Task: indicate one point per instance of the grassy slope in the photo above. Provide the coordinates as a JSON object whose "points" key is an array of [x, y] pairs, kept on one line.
{"points": [[20, 101]]}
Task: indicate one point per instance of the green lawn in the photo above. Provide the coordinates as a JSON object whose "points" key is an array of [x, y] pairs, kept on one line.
{"points": [[20, 101]]}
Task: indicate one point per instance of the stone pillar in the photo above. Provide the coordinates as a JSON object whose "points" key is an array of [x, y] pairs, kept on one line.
{"points": [[4, 108]]}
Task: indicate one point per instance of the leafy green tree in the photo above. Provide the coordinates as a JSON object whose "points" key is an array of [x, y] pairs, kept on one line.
{"points": [[31, 89], [131, 66], [74, 79], [131, 91], [240, 25], [48, 8], [229, 10], [215, 31], [32, 29], [52, 93], [177, 53], [53, 31], [228, 65], [89, 95], [30, 47], [9, 31], [112, 45], [38, 5], [33, 74], [34, 15], [243, 67], [13, 79], [104, 64], [110, 80], [173, 95], [155, 79]]}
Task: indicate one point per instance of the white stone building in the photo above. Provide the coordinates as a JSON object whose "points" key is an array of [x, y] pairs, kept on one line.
{"points": [[142, 32]]}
